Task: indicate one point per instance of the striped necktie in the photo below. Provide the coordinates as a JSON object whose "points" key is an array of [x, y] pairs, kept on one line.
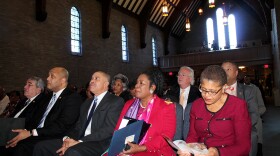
{"points": [[89, 117], [52, 102]]}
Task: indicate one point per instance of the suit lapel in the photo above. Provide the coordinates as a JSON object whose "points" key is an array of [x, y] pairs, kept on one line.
{"points": [[239, 91], [103, 102], [58, 101]]}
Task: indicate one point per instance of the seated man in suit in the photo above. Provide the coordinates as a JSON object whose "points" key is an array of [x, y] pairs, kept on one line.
{"points": [[94, 129], [33, 91], [184, 93], [56, 114]]}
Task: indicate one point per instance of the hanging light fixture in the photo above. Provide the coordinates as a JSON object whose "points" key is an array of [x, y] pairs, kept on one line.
{"points": [[164, 8], [225, 18], [200, 11], [211, 3], [188, 24]]}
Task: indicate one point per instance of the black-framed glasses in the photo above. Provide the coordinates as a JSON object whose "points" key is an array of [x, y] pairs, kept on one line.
{"points": [[210, 92]]}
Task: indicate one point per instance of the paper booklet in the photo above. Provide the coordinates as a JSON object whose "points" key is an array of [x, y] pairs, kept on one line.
{"points": [[194, 148]]}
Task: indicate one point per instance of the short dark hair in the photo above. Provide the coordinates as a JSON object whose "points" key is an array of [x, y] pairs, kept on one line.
{"points": [[156, 78], [233, 63], [215, 73], [131, 84]]}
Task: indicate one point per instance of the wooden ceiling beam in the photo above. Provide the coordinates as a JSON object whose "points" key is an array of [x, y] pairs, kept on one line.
{"points": [[143, 22], [106, 12], [41, 14]]}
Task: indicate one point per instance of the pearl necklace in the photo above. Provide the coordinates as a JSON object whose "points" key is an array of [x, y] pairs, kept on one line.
{"points": [[142, 105]]}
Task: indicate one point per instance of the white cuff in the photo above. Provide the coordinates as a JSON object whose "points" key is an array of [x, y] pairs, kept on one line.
{"points": [[34, 132]]}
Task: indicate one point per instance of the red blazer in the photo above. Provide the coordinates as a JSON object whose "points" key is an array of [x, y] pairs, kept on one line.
{"points": [[163, 121], [229, 129]]}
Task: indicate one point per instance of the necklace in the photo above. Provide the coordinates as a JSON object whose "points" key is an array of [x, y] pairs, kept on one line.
{"points": [[142, 105]]}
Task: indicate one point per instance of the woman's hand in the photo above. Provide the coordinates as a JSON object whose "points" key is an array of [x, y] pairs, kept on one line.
{"points": [[212, 151], [134, 148], [183, 153]]}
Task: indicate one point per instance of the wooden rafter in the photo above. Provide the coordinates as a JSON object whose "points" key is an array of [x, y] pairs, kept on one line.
{"points": [[106, 12], [41, 14], [144, 18]]}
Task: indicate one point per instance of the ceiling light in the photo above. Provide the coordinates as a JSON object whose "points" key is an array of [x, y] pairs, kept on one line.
{"points": [[211, 3], [188, 24], [164, 9]]}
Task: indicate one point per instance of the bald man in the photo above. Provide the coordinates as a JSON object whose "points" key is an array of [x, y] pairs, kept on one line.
{"points": [[56, 114], [94, 129]]}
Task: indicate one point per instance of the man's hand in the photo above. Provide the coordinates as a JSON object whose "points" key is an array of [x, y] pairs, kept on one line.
{"points": [[22, 134], [66, 144]]}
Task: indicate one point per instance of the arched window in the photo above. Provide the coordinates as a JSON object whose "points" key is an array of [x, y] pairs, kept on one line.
{"points": [[232, 31], [154, 49], [221, 28], [125, 55], [75, 32], [210, 32]]}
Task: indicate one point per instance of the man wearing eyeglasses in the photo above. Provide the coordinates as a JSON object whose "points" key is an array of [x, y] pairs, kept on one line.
{"points": [[183, 94], [248, 94]]}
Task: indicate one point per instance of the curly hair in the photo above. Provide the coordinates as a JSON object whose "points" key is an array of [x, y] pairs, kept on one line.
{"points": [[124, 80], [214, 73], [155, 77]]}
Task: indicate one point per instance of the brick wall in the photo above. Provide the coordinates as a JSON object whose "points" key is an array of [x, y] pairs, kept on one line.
{"points": [[29, 47]]}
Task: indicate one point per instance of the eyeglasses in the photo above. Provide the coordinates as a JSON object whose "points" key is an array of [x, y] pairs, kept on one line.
{"points": [[210, 92], [182, 75]]}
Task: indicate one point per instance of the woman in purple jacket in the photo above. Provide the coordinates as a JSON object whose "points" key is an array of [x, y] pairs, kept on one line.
{"points": [[218, 120]]}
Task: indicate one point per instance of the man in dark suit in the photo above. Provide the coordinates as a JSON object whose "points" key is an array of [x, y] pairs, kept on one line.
{"points": [[184, 94], [33, 91], [248, 94], [94, 129], [56, 114]]}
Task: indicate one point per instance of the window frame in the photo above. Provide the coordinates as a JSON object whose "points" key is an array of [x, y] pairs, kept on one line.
{"points": [[125, 51], [74, 34], [154, 52]]}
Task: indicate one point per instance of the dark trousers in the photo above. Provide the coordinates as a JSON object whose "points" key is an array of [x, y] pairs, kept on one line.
{"points": [[6, 151], [25, 147], [260, 152], [49, 148]]}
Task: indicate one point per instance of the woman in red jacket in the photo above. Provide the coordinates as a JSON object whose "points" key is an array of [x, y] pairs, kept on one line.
{"points": [[219, 120], [149, 107]]}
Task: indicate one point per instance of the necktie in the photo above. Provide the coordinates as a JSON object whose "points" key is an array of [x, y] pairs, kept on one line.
{"points": [[230, 90], [24, 106], [182, 97], [89, 117], [26, 102], [52, 102]]}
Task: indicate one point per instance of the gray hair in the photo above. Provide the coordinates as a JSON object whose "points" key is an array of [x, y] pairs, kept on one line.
{"points": [[191, 74], [123, 78], [39, 82]]}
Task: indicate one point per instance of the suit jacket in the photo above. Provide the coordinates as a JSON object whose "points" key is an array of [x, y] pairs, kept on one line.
{"points": [[248, 94], [103, 122], [174, 94], [61, 117], [29, 111], [261, 110], [179, 122], [186, 124], [228, 129], [163, 121]]}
